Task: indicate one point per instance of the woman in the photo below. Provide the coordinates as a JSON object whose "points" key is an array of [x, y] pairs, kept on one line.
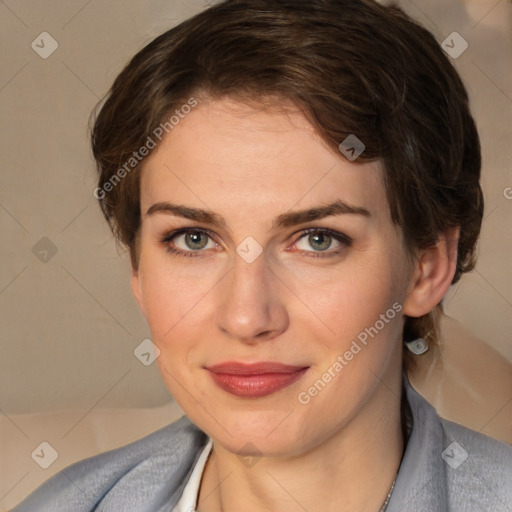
{"points": [[298, 186]]}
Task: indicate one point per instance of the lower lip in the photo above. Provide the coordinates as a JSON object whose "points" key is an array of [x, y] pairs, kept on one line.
{"points": [[255, 386]]}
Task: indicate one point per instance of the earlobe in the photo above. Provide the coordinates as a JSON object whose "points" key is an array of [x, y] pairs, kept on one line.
{"points": [[433, 275]]}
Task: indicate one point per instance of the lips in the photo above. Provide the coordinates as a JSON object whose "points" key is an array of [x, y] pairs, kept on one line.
{"points": [[254, 380]]}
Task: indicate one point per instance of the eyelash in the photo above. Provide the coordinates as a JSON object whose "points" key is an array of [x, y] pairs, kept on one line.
{"points": [[340, 237]]}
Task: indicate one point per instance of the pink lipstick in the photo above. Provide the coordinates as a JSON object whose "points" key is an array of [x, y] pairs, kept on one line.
{"points": [[254, 380]]}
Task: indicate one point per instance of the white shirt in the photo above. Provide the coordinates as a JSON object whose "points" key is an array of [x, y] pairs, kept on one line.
{"points": [[188, 500]]}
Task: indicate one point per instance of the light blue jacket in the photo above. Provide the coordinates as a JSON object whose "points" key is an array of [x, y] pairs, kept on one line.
{"points": [[149, 474]]}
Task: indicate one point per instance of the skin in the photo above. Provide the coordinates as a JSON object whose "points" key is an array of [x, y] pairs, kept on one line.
{"points": [[342, 450]]}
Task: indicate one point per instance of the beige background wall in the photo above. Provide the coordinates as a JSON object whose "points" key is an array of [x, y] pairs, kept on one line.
{"points": [[69, 323]]}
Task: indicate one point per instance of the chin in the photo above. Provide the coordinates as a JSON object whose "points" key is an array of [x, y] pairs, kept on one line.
{"points": [[256, 431]]}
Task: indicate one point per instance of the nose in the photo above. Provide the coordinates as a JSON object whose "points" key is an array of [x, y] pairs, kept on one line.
{"points": [[251, 306]]}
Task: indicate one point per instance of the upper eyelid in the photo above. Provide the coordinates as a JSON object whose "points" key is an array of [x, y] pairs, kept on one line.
{"points": [[339, 237], [183, 231], [332, 232], [168, 235]]}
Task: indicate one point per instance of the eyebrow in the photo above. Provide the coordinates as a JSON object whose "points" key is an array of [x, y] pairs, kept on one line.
{"points": [[338, 207]]}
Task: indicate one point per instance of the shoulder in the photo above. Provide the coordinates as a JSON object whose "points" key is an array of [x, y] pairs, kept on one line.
{"points": [[478, 468], [447, 466], [145, 475]]}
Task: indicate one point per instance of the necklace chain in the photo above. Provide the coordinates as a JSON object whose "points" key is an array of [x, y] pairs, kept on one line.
{"points": [[388, 497], [384, 505]]}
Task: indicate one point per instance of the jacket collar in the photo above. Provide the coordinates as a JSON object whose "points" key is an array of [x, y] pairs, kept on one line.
{"points": [[421, 480]]}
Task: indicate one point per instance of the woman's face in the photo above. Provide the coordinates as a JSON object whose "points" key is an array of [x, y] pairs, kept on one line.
{"points": [[255, 282]]}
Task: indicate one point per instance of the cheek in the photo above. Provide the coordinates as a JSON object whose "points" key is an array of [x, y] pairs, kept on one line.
{"points": [[351, 295], [173, 306], [171, 294]]}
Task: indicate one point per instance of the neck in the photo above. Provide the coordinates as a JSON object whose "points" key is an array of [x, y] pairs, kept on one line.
{"points": [[352, 470]]}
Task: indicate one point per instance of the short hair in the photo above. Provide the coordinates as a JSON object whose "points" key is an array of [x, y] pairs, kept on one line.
{"points": [[351, 67]]}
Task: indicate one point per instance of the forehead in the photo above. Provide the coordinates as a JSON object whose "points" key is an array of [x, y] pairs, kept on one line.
{"points": [[227, 155]]}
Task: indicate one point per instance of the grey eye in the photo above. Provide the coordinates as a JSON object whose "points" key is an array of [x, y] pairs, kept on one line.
{"points": [[196, 240], [316, 241], [193, 241]]}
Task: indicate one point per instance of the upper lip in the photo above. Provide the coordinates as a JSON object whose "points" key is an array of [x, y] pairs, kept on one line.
{"points": [[238, 368]]}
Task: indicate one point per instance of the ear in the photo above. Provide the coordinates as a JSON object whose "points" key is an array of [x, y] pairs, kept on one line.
{"points": [[135, 284], [432, 276]]}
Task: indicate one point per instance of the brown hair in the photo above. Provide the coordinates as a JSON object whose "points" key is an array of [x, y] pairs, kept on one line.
{"points": [[352, 67]]}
